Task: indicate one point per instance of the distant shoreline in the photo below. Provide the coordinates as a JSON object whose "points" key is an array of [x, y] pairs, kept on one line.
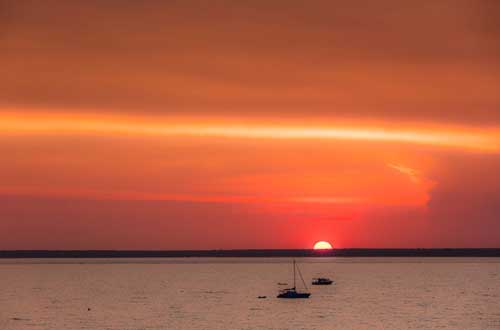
{"points": [[448, 252]]}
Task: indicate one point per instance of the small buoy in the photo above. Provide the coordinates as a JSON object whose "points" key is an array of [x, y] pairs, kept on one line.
{"points": [[88, 308]]}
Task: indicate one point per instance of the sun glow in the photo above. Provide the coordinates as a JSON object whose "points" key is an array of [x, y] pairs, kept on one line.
{"points": [[322, 245]]}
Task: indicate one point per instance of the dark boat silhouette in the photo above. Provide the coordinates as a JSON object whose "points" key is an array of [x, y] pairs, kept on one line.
{"points": [[321, 281], [292, 293]]}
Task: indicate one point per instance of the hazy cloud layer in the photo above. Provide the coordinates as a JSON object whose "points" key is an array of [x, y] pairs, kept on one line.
{"points": [[429, 61]]}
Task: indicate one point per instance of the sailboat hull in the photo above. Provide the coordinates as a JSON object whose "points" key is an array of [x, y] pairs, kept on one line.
{"points": [[294, 295]]}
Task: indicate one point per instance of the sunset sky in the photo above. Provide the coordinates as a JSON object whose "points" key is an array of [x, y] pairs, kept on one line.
{"points": [[249, 124]]}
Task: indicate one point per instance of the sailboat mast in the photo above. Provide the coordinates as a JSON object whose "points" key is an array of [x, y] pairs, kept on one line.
{"points": [[294, 273]]}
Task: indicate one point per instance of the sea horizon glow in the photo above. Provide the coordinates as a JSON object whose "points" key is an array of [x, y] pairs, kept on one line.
{"points": [[261, 164]]}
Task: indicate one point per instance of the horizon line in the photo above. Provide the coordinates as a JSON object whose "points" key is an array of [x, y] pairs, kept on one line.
{"points": [[249, 253]]}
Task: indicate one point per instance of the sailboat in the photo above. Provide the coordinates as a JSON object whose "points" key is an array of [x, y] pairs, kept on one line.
{"points": [[292, 293]]}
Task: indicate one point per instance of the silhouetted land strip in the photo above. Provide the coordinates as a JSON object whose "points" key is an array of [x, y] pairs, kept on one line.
{"points": [[252, 253]]}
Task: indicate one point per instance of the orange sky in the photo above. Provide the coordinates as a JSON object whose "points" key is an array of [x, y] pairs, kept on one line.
{"points": [[257, 124]]}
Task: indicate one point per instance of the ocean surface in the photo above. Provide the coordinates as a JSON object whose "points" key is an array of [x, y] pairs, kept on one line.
{"points": [[221, 293]]}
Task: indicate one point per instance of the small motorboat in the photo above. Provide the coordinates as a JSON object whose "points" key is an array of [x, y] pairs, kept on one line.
{"points": [[321, 281], [292, 293]]}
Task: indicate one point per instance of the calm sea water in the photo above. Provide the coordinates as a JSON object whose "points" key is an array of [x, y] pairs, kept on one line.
{"points": [[205, 293]]}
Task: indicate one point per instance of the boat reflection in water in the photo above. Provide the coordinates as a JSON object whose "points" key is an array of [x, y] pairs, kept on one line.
{"points": [[292, 293]]}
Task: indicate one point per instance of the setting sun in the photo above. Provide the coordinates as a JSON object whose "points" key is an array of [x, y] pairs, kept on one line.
{"points": [[322, 245]]}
